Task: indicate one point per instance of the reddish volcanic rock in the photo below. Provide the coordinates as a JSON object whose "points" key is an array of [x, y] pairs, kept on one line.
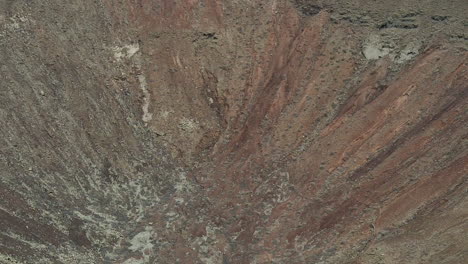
{"points": [[216, 131]]}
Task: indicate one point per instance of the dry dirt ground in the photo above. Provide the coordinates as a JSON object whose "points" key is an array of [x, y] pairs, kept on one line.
{"points": [[233, 131]]}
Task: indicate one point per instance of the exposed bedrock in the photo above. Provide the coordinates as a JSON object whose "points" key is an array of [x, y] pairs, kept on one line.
{"points": [[222, 131]]}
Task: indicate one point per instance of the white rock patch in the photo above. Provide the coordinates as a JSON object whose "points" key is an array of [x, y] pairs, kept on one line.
{"points": [[141, 242], [126, 51], [375, 49], [131, 51], [147, 116]]}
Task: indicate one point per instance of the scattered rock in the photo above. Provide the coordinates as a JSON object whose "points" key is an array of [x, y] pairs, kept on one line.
{"points": [[439, 18], [307, 8]]}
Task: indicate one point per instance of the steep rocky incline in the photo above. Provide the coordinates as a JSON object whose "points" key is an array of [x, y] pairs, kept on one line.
{"points": [[222, 131]]}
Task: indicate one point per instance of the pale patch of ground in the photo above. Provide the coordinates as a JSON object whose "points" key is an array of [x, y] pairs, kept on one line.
{"points": [[377, 47], [132, 51], [141, 242]]}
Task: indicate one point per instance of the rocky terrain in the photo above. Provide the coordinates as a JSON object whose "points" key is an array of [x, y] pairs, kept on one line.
{"points": [[233, 131]]}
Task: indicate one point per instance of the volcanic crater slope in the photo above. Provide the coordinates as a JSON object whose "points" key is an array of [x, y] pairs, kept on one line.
{"points": [[222, 131]]}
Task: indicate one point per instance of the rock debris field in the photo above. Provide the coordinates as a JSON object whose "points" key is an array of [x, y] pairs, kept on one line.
{"points": [[233, 131]]}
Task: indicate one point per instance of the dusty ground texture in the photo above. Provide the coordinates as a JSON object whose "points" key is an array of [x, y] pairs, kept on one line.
{"points": [[233, 131]]}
